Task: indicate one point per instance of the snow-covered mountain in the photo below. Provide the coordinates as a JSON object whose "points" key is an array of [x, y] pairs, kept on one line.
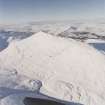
{"points": [[68, 70], [82, 34]]}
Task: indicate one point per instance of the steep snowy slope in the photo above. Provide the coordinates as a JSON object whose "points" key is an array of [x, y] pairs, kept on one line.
{"points": [[68, 69]]}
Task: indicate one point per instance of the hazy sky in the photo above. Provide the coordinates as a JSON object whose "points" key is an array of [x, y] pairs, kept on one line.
{"points": [[12, 11]]}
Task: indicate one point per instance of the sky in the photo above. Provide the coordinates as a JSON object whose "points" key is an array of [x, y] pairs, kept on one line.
{"points": [[17, 11]]}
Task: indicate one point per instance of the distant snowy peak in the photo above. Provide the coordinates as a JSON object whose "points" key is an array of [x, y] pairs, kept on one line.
{"points": [[80, 34]]}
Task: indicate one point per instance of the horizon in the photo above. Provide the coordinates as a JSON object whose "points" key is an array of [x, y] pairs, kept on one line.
{"points": [[20, 11]]}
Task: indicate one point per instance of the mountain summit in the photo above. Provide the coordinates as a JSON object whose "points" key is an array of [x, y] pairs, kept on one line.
{"points": [[68, 69]]}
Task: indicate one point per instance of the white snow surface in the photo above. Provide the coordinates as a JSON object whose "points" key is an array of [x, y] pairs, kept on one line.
{"points": [[94, 41], [69, 70]]}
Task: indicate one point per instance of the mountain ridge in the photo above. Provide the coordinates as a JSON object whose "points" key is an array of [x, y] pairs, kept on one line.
{"points": [[68, 69]]}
